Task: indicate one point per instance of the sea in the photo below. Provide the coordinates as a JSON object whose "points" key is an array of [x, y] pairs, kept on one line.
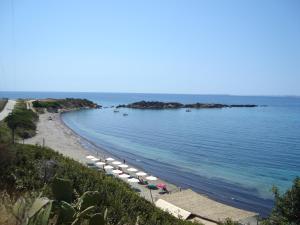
{"points": [[232, 155]]}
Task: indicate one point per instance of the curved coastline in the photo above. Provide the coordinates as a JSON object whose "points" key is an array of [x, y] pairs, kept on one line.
{"points": [[203, 190]]}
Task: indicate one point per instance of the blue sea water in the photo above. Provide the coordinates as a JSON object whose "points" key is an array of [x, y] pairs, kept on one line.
{"points": [[233, 155]]}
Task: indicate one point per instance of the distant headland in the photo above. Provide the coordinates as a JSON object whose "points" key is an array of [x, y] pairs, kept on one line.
{"points": [[55, 105], [177, 105]]}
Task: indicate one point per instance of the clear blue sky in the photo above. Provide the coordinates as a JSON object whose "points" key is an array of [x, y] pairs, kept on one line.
{"points": [[242, 47]]}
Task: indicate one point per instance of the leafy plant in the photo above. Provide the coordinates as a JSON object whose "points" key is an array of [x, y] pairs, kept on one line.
{"points": [[287, 206]]}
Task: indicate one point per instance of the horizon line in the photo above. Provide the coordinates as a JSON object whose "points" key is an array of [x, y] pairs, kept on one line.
{"points": [[158, 93]]}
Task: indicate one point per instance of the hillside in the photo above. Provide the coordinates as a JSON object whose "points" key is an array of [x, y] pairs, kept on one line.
{"points": [[64, 104]]}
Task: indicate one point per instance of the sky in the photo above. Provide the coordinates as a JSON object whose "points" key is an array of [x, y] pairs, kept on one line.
{"points": [[238, 47]]}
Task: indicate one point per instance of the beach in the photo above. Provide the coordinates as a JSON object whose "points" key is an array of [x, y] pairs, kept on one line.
{"points": [[53, 133]]}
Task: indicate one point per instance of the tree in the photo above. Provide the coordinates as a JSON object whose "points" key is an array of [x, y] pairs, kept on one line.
{"points": [[12, 123], [19, 120], [287, 206]]}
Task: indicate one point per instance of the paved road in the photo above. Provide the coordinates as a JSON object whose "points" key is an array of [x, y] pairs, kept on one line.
{"points": [[7, 109]]}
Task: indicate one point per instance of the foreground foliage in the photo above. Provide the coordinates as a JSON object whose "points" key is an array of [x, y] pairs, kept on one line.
{"points": [[287, 206], [28, 168], [45, 211]]}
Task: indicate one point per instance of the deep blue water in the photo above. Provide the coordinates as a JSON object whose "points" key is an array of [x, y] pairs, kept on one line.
{"points": [[233, 155]]}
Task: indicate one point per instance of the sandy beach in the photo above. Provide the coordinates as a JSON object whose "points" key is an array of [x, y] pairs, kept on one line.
{"points": [[55, 134], [52, 132]]}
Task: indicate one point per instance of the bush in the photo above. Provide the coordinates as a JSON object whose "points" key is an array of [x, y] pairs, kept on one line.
{"points": [[22, 122], [24, 173], [287, 206]]}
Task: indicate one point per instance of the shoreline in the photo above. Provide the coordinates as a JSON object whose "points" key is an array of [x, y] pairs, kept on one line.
{"points": [[57, 135], [227, 200]]}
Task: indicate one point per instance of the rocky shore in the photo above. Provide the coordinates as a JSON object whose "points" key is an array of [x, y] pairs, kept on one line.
{"points": [[176, 105]]}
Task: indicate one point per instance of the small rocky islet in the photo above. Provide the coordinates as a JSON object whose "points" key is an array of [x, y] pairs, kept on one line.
{"points": [[177, 105]]}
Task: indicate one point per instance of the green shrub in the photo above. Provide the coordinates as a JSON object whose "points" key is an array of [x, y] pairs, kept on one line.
{"points": [[23, 173], [287, 206], [21, 121]]}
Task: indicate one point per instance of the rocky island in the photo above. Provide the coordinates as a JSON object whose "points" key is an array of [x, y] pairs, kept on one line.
{"points": [[177, 105]]}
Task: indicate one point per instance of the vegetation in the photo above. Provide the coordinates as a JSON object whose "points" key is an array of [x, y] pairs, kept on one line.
{"points": [[287, 206], [229, 222], [22, 121], [28, 171], [3, 102], [177, 105], [68, 103], [42, 210]]}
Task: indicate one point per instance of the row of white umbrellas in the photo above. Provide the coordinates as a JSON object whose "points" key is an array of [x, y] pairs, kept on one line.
{"points": [[120, 172]]}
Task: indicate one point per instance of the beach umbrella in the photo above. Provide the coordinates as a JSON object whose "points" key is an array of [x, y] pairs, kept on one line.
{"points": [[152, 186], [151, 178], [108, 167], [95, 159], [161, 185], [109, 159], [141, 173], [89, 157], [124, 175], [100, 163], [133, 180], [123, 165], [132, 169], [117, 171], [116, 163]]}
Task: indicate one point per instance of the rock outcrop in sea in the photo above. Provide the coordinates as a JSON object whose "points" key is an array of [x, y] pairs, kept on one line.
{"points": [[177, 105]]}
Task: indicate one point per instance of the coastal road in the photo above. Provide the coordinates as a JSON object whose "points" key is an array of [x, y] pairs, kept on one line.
{"points": [[7, 109]]}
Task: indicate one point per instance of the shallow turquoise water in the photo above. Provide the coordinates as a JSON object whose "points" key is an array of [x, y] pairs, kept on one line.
{"points": [[233, 155]]}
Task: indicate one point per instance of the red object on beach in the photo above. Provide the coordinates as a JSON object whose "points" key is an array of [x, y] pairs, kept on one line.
{"points": [[161, 185]]}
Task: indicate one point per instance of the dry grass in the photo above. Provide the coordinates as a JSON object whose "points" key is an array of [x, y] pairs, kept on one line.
{"points": [[6, 215], [14, 208]]}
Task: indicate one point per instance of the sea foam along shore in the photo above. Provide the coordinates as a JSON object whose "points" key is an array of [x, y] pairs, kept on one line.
{"points": [[54, 133]]}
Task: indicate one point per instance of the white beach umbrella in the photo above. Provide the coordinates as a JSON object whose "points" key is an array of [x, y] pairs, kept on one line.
{"points": [[141, 173], [95, 159], [132, 169], [116, 163], [89, 157], [108, 167], [117, 171], [133, 180], [151, 178], [123, 165], [124, 175], [100, 163], [110, 159]]}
